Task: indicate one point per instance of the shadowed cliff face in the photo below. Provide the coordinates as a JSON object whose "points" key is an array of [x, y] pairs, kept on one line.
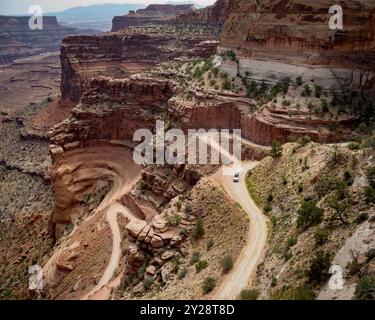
{"points": [[296, 32]]}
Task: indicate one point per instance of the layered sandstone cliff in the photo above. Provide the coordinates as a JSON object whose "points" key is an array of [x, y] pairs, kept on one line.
{"points": [[122, 54], [153, 14], [290, 38], [17, 40], [214, 15]]}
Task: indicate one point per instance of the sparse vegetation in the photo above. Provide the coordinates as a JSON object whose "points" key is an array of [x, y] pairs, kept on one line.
{"points": [[227, 264], [208, 284], [309, 214]]}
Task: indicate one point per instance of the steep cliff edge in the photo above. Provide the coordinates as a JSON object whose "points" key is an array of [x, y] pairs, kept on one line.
{"points": [[291, 38], [153, 14], [17, 40], [215, 15], [122, 54]]}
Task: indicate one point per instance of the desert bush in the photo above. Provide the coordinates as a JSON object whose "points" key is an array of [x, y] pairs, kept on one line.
{"points": [[200, 265], [182, 274], [208, 284], [303, 141], [319, 268], [365, 289], [194, 258], [298, 81], [353, 146], [306, 92], [321, 236], [298, 293], [198, 231], [309, 214], [147, 283], [227, 264], [249, 295], [276, 149], [210, 244]]}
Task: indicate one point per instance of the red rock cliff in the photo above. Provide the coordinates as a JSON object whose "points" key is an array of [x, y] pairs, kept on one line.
{"points": [[275, 39]]}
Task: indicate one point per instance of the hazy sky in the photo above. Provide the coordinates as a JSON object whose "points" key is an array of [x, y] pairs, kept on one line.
{"points": [[21, 6]]}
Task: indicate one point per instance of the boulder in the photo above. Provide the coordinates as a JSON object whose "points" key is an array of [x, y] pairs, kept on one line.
{"points": [[135, 227]]}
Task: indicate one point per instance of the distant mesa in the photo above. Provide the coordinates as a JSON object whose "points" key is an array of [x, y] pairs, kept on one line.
{"points": [[153, 14], [17, 40]]}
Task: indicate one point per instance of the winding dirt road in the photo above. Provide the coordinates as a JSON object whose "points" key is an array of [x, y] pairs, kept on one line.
{"points": [[252, 254]]}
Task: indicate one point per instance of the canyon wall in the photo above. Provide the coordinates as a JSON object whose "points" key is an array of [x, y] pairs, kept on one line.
{"points": [[290, 38], [153, 14], [17, 40], [118, 55], [214, 15]]}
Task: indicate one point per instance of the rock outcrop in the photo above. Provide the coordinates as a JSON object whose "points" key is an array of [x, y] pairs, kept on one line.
{"points": [[122, 54], [153, 14], [290, 38], [214, 15], [17, 40]]}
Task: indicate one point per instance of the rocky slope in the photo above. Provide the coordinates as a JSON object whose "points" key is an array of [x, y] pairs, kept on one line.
{"points": [[153, 14], [18, 40], [301, 250], [290, 38]]}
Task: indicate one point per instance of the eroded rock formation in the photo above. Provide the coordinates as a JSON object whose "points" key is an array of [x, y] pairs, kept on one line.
{"points": [[291, 38], [214, 15], [17, 40], [121, 54], [153, 14]]}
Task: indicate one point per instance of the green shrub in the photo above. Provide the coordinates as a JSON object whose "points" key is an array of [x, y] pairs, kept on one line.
{"points": [[147, 283], [321, 236], [303, 141], [298, 293], [306, 91], [210, 244], [198, 231], [267, 208], [298, 81], [249, 295], [318, 91], [208, 284], [200, 265], [319, 268], [292, 138], [365, 289], [276, 149], [324, 105], [182, 274], [194, 258], [362, 217], [309, 214], [227, 85], [227, 264], [353, 146]]}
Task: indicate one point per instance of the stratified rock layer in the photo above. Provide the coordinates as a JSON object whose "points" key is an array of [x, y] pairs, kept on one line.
{"points": [[214, 15], [122, 54], [153, 14], [17, 40], [290, 38]]}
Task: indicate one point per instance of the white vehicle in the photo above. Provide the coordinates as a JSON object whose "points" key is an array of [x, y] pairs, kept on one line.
{"points": [[236, 177]]}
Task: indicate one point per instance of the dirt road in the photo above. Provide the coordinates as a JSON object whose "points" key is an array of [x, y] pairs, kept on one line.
{"points": [[245, 267]]}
